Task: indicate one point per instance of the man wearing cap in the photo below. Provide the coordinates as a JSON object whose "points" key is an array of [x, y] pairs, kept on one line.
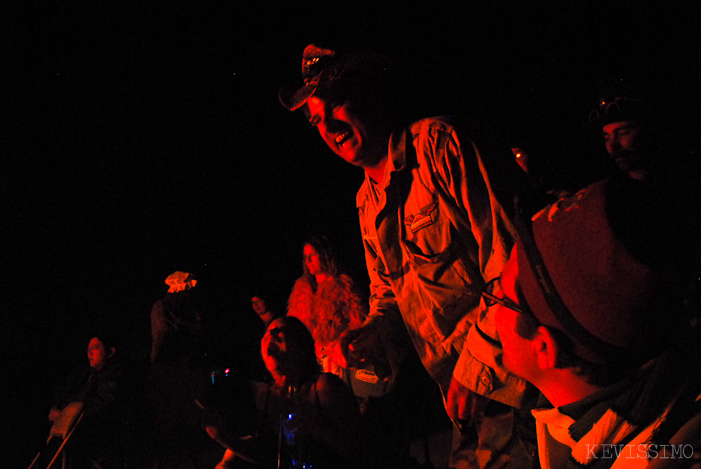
{"points": [[624, 126], [635, 142], [587, 311], [434, 231]]}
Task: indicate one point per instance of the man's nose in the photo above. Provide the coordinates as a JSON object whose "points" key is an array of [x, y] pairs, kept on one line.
{"points": [[612, 144], [331, 124]]}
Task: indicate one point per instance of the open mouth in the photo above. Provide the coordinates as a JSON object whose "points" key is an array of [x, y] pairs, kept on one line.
{"points": [[272, 349], [343, 138]]}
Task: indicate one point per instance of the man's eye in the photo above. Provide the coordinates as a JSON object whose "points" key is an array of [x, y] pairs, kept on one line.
{"points": [[314, 122]]}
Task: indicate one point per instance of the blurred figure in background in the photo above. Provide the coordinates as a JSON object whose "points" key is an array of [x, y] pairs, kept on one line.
{"points": [[644, 134], [261, 305], [96, 390], [645, 140], [329, 304], [179, 372], [305, 418], [325, 300], [627, 136], [265, 308]]}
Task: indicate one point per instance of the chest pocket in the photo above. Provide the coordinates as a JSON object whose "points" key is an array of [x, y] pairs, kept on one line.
{"points": [[443, 282], [426, 216], [426, 235]]}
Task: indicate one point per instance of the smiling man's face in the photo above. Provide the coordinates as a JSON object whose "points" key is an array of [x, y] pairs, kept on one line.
{"points": [[360, 140]]}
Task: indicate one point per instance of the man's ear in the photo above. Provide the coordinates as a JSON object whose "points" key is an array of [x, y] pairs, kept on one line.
{"points": [[545, 348]]}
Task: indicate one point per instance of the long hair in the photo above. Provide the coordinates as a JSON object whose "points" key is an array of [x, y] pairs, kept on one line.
{"points": [[327, 257]]}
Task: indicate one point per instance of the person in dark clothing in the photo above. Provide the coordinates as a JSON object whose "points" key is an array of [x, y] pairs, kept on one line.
{"points": [[305, 418], [179, 372], [261, 305], [645, 143], [98, 387]]}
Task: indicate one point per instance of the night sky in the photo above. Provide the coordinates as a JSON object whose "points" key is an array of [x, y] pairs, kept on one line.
{"points": [[148, 138]]}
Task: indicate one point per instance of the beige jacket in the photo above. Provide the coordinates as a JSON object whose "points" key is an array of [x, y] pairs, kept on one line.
{"points": [[434, 233]]}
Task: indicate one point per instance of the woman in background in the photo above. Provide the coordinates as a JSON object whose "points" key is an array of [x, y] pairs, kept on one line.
{"points": [[325, 300]]}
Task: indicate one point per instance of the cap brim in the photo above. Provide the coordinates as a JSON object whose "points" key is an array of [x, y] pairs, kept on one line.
{"points": [[293, 100]]}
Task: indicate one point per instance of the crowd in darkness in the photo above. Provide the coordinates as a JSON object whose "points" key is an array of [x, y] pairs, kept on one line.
{"points": [[505, 302], [493, 144]]}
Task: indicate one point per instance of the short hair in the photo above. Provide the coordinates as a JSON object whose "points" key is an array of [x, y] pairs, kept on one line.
{"points": [[594, 373], [270, 301], [107, 339]]}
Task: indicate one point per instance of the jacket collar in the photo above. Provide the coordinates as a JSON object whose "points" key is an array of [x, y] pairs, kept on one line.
{"points": [[396, 161], [397, 151]]}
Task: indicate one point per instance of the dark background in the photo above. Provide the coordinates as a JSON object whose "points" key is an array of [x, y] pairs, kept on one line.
{"points": [[148, 138]]}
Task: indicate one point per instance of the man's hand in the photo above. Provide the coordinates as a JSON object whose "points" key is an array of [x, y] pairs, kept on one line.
{"points": [[355, 346], [461, 403]]}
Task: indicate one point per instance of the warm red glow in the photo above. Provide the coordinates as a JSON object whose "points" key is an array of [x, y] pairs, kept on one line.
{"points": [[521, 157]]}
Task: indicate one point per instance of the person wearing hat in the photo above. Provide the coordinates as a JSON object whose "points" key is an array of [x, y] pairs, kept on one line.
{"points": [[434, 229], [624, 124], [645, 139], [179, 371], [648, 144], [588, 311]]}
